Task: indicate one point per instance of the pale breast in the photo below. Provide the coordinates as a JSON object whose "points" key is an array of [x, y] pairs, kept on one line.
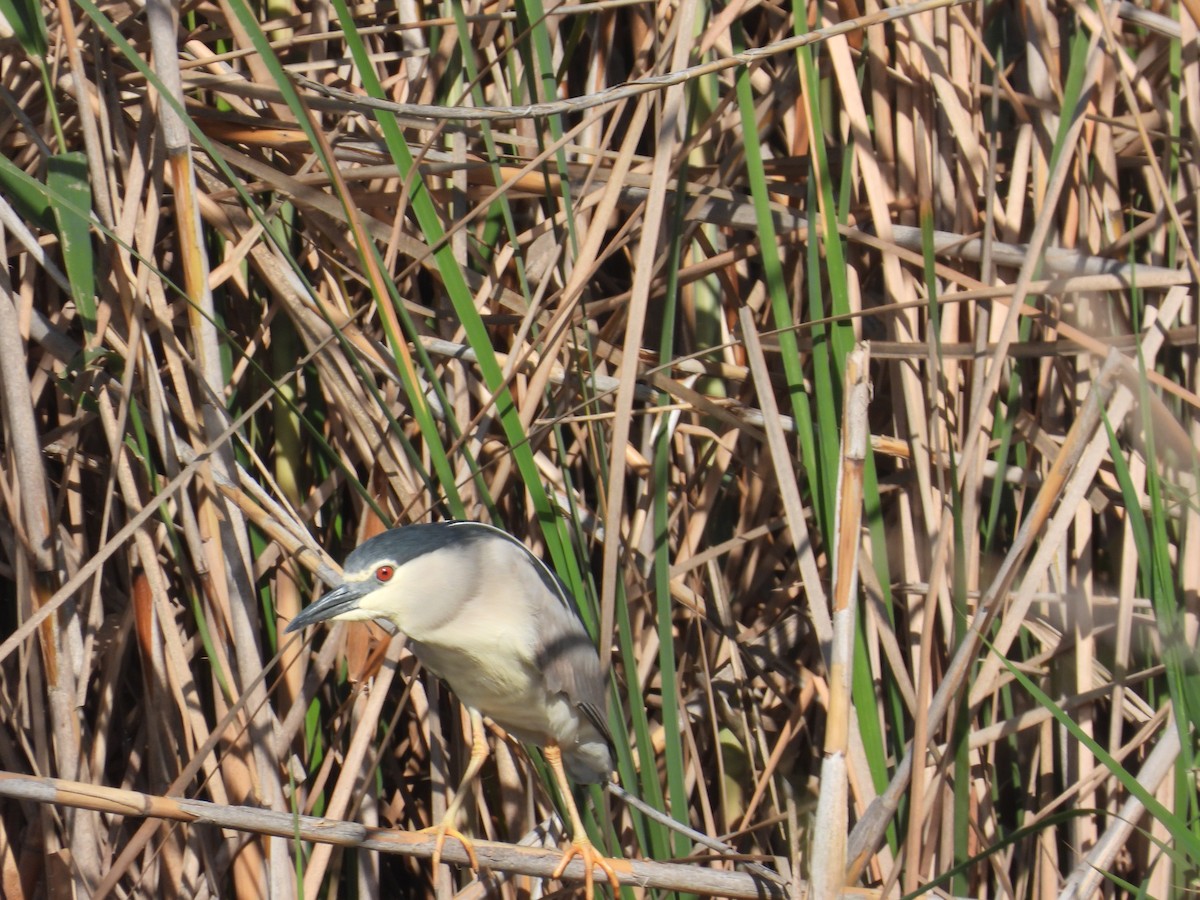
{"points": [[514, 651]]}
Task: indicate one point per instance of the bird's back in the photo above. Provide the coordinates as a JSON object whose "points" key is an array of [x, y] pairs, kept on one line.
{"points": [[521, 656]]}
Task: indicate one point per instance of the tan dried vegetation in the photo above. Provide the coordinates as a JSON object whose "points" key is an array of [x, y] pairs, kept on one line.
{"points": [[278, 278]]}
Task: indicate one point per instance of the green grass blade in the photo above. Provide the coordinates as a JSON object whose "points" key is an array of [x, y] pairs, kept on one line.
{"points": [[28, 25], [455, 284], [67, 177]]}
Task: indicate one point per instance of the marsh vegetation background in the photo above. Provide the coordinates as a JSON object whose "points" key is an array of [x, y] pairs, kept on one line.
{"points": [[277, 277]]}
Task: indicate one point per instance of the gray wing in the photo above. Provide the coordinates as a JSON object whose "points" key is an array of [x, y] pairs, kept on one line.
{"points": [[571, 667], [566, 655]]}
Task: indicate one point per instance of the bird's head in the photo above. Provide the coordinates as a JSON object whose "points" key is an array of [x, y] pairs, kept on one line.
{"points": [[394, 575]]}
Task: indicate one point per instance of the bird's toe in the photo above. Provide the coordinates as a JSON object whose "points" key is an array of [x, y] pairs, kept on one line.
{"points": [[591, 858], [446, 829]]}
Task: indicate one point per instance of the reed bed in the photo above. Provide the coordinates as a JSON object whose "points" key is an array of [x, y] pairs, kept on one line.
{"points": [[841, 358]]}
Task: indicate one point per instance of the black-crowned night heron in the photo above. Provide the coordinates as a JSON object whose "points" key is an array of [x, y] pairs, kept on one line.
{"points": [[496, 624]]}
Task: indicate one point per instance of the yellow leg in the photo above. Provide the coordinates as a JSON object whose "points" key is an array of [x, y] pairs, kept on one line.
{"points": [[479, 750], [580, 845]]}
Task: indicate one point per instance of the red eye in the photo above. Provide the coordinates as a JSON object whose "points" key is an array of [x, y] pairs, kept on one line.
{"points": [[384, 573]]}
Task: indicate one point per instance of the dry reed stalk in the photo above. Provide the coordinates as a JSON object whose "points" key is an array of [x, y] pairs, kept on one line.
{"points": [[607, 306]]}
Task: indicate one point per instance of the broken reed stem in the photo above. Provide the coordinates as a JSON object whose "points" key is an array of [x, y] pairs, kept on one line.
{"points": [[833, 814]]}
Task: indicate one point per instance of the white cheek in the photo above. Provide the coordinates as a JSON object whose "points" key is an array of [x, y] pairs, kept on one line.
{"points": [[360, 614], [425, 595], [375, 605]]}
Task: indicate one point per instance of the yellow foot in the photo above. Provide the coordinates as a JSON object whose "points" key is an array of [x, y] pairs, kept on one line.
{"points": [[442, 831], [591, 858]]}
